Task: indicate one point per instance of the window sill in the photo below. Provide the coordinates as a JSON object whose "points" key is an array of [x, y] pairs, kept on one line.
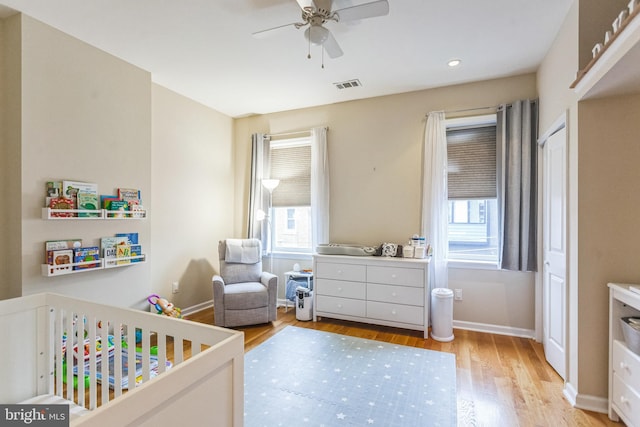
{"points": [[472, 265], [292, 255]]}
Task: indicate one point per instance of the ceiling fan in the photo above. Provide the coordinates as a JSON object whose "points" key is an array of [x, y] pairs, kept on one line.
{"points": [[317, 12]]}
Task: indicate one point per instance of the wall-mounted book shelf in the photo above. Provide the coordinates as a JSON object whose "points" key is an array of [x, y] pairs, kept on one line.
{"points": [[81, 214], [49, 270]]}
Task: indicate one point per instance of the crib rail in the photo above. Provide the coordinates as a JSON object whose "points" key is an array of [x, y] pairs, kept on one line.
{"points": [[95, 348]]}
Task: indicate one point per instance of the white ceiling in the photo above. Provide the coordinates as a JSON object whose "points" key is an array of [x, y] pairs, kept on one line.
{"points": [[204, 50]]}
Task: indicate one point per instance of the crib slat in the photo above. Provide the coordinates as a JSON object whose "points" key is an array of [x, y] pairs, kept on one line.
{"points": [[103, 331], [90, 324], [131, 357], [58, 336], [68, 356], [117, 361], [79, 358], [162, 351]]}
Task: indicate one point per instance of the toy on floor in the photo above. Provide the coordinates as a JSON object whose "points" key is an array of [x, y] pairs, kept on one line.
{"points": [[163, 306]]}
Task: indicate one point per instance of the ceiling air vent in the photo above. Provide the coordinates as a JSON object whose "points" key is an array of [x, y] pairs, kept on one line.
{"points": [[348, 84]]}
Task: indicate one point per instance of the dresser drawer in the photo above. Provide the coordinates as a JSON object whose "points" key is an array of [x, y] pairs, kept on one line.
{"points": [[626, 364], [345, 306], [395, 294], [330, 270], [396, 276], [341, 288], [626, 400], [395, 312]]}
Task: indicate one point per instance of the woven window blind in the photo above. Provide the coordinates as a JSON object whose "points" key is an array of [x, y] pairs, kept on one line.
{"points": [[292, 166], [471, 162]]}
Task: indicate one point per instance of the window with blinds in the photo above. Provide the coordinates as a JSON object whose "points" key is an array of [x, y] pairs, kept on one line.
{"points": [[292, 166], [472, 187], [291, 200], [471, 155]]}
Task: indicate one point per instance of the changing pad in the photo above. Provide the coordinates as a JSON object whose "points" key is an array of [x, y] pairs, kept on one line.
{"points": [[342, 249]]}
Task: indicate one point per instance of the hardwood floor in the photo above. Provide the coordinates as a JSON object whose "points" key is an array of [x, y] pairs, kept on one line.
{"points": [[502, 380]]}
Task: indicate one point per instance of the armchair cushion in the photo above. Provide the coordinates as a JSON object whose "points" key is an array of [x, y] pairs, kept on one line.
{"points": [[245, 296]]}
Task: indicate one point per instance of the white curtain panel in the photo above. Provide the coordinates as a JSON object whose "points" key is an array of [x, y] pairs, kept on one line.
{"points": [[258, 196], [319, 187], [435, 207]]}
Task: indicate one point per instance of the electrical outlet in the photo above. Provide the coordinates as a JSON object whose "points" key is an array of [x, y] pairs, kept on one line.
{"points": [[457, 294], [175, 287]]}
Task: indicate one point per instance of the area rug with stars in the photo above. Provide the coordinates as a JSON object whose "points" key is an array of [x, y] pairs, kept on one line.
{"points": [[305, 377]]}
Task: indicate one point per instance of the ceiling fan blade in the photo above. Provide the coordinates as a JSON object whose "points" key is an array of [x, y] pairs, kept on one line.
{"points": [[332, 47], [367, 10], [272, 31], [306, 4]]}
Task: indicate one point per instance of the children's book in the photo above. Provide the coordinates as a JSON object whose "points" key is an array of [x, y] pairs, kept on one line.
{"points": [[124, 381], [55, 245], [54, 188], [72, 188], [62, 203], [108, 246], [105, 201], [131, 195], [91, 253], [61, 261], [89, 202], [136, 250], [123, 254], [132, 238]]}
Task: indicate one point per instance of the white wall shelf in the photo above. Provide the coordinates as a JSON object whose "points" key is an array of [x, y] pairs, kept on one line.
{"points": [[49, 270], [614, 70], [80, 214]]}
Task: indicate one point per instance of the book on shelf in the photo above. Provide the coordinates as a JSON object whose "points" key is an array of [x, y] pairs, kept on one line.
{"points": [[62, 203], [132, 238], [89, 202], [90, 253], [71, 189], [54, 188], [61, 260], [108, 247], [54, 245], [136, 250], [106, 199], [123, 254], [131, 195]]}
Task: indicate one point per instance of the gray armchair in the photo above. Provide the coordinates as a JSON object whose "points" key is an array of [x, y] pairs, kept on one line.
{"points": [[243, 294]]}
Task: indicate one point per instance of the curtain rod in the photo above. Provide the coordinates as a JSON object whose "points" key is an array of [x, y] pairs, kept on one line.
{"points": [[490, 107], [300, 132]]}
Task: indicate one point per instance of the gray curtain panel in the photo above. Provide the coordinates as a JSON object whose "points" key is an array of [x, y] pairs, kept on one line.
{"points": [[517, 134], [258, 199]]}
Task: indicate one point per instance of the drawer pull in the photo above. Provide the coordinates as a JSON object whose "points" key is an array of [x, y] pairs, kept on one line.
{"points": [[393, 312], [624, 400], [623, 365], [339, 289], [339, 305], [339, 271], [393, 294]]}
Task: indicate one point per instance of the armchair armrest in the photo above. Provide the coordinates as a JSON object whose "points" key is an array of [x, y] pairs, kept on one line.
{"points": [[269, 280]]}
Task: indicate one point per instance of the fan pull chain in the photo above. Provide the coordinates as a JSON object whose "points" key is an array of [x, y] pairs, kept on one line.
{"points": [[309, 54], [322, 49]]}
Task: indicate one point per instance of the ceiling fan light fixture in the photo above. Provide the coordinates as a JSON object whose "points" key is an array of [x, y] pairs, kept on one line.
{"points": [[454, 63], [317, 34]]}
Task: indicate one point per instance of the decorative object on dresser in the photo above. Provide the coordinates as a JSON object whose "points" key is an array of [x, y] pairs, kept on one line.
{"points": [[624, 360], [379, 290]]}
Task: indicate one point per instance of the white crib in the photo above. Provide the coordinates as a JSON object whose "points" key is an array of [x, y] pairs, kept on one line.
{"points": [[203, 385]]}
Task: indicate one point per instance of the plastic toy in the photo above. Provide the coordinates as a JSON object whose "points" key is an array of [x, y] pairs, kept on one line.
{"points": [[163, 306]]}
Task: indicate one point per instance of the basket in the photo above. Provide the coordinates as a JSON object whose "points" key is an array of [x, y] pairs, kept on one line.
{"points": [[631, 333]]}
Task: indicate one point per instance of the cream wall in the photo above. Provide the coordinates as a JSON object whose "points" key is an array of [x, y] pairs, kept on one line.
{"points": [[10, 170], [375, 158], [193, 197], [603, 179]]}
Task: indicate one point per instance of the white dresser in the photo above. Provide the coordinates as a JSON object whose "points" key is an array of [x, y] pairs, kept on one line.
{"points": [[379, 290], [624, 365]]}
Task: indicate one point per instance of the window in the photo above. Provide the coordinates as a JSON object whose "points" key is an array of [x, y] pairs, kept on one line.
{"points": [[291, 200], [472, 188]]}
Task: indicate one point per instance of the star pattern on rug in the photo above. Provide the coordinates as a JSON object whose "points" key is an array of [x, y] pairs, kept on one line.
{"points": [[324, 379]]}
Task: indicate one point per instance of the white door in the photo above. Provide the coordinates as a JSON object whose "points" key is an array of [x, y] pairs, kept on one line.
{"points": [[554, 292]]}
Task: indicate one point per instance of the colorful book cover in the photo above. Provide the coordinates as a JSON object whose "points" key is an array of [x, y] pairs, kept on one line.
{"points": [[72, 188], [55, 245], [124, 381], [90, 253], [131, 195], [54, 188], [123, 251], [60, 258], [136, 250], [62, 203], [105, 201], [89, 202], [116, 205], [108, 246], [132, 238]]}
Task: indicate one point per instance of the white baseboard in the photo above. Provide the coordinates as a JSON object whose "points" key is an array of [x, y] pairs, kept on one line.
{"points": [[584, 401], [195, 308], [494, 329]]}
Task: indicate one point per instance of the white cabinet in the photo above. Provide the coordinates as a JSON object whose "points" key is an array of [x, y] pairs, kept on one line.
{"points": [[377, 290], [624, 364]]}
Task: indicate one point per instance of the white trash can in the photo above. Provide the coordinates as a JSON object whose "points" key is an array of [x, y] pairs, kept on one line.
{"points": [[304, 303], [442, 314]]}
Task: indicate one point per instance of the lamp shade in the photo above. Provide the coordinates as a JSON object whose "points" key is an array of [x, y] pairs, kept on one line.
{"points": [[316, 34], [270, 184]]}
